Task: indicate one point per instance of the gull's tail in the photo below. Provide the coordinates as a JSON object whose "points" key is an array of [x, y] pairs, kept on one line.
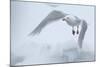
{"points": [[82, 33]]}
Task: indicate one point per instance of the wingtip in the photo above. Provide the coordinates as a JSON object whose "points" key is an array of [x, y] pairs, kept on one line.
{"points": [[33, 34]]}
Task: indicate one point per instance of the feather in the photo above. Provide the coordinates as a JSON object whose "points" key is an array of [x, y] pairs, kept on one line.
{"points": [[52, 16], [82, 33]]}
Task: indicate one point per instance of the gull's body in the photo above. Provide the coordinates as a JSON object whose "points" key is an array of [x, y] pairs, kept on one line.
{"points": [[69, 19], [72, 20]]}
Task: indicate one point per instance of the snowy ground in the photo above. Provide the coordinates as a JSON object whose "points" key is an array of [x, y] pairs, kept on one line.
{"points": [[45, 54]]}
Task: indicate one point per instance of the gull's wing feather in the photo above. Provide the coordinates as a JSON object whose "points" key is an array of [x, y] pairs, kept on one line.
{"points": [[52, 16], [82, 33]]}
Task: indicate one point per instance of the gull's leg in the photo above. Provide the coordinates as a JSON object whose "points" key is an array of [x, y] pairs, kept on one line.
{"points": [[73, 31], [77, 29]]}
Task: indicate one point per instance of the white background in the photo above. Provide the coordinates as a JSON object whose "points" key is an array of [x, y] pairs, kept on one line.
{"points": [[5, 33]]}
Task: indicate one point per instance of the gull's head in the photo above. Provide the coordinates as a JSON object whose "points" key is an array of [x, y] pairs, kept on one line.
{"points": [[69, 17], [72, 20]]}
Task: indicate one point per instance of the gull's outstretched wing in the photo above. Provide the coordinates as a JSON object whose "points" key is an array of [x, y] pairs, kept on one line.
{"points": [[82, 33], [52, 16]]}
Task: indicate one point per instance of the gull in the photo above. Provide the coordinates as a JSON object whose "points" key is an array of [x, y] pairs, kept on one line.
{"points": [[75, 21], [69, 19]]}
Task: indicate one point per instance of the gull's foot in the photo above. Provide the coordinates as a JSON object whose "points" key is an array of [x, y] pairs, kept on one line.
{"points": [[77, 31], [73, 32]]}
